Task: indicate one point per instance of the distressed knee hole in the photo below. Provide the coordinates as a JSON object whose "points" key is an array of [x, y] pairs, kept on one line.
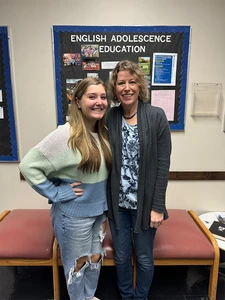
{"points": [[96, 260], [76, 270], [79, 263]]}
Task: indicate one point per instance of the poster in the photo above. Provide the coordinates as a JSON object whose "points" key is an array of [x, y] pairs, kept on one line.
{"points": [[93, 51], [164, 69], [8, 142]]}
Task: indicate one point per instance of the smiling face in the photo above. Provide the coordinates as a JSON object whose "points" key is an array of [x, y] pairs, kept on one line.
{"points": [[93, 104], [127, 89]]}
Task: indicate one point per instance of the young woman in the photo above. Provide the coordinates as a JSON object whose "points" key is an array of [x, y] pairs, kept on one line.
{"points": [[70, 167]]}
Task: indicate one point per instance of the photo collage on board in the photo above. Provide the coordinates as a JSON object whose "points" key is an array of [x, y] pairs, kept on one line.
{"points": [[88, 60]]}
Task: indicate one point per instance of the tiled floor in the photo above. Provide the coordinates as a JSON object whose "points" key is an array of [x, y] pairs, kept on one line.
{"points": [[170, 283]]}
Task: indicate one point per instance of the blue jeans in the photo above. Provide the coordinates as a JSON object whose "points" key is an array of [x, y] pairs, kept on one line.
{"points": [[79, 237], [143, 244]]}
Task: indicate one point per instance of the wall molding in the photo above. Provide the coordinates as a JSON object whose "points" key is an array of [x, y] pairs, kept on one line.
{"points": [[197, 175], [189, 175]]}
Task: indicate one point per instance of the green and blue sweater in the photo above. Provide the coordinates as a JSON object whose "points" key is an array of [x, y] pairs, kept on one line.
{"points": [[51, 166]]}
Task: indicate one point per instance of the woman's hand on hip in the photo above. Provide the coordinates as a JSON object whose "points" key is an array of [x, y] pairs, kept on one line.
{"points": [[77, 191]]}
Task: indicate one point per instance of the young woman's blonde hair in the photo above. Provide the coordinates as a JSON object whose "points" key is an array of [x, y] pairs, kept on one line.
{"points": [[134, 69], [81, 138]]}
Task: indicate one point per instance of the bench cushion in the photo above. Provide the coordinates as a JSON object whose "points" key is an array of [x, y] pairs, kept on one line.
{"points": [[180, 237], [26, 233]]}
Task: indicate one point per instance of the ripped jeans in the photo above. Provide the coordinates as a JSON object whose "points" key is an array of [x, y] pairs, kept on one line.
{"points": [[79, 238]]}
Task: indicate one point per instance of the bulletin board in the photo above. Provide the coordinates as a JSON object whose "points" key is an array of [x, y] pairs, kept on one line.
{"points": [[8, 142], [93, 51]]}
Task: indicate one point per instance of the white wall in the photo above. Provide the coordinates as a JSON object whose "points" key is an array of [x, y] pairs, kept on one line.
{"points": [[200, 147]]}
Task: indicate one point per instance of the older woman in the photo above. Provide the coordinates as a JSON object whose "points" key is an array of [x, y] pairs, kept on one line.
{"points": [[141, 145]]}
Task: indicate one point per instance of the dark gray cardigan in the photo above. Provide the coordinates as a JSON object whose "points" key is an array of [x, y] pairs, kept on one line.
{"points": [[155, 149]]}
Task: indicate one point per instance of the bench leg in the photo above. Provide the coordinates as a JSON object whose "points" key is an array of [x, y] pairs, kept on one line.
{"points": [[213, 280], [56, 288], [55, 271]]}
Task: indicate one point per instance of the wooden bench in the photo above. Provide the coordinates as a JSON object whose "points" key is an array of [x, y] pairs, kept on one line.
{"points": [[184, 240], [27, 239], [181, 240]]}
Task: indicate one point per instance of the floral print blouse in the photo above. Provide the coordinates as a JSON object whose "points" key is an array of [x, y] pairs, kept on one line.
{"points": [[130, 166]]}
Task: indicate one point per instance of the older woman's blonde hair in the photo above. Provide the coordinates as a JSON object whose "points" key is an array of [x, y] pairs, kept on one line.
{"points": [[81, 138], [134, 69]]}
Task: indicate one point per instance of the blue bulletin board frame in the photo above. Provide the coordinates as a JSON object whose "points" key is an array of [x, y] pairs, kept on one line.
{"points": [[9, 140], [62, 44]]}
